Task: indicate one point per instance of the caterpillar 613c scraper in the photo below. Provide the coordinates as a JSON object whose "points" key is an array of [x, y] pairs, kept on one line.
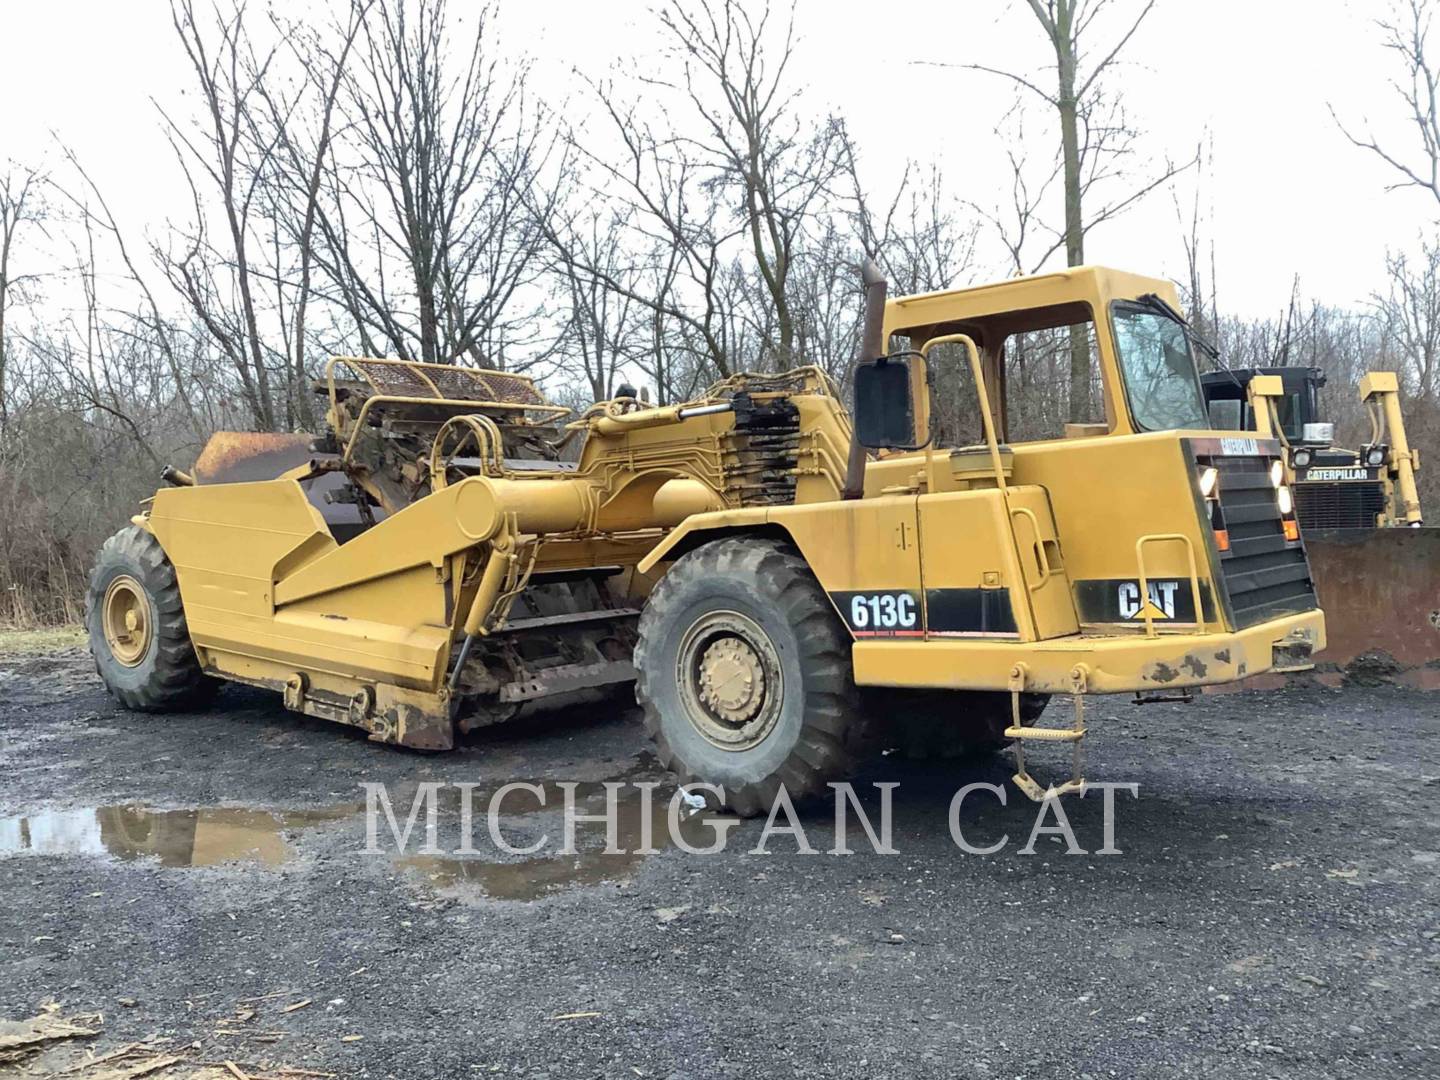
{"points": [[777, 580]]}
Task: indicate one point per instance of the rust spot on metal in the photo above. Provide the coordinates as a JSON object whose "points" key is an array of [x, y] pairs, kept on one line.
{"points": [[417, 729], [1194, 665], [1164, 673], [1223, 656], [233, 457]]}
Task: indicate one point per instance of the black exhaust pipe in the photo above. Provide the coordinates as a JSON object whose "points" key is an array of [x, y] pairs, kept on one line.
{"points": [[872, 347]]}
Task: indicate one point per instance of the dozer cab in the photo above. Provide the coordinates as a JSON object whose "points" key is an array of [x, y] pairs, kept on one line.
{"points": [[1376, 568], [803, 580]]}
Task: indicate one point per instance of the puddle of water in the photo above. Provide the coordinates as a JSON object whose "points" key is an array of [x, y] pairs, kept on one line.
{"points": [[539, 876], [203, 837], [209, 836]]}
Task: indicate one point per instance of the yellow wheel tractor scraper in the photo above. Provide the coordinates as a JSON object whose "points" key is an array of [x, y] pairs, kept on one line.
{"points": [[452, 549]]}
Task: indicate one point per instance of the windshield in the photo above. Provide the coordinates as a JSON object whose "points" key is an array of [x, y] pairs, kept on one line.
{"points": [[1159, 369], [1291, 414]]}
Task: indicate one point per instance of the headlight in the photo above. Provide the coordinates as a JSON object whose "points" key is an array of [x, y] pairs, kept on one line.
{"points": [[1277, 473], [1208, 478], [1302, 458], [1376, 456], [1287, 501]]}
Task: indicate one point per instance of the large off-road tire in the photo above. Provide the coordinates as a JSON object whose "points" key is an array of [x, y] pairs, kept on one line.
{"points": [[941, 724], [137, 628], [744, 674]]}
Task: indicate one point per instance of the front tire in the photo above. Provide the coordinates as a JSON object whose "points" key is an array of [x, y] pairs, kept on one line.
{"points": [[136, 622], [744, 676]]}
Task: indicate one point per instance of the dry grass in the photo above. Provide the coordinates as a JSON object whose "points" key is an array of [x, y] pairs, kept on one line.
{"points": [[30, 642]]}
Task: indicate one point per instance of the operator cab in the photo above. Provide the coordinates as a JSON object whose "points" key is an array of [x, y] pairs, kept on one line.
{"points": [[1227, 396], [1093, 351]]}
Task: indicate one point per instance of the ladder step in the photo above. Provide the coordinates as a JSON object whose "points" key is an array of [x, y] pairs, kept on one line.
{"points": [[1045, 734], [1026, 783]]}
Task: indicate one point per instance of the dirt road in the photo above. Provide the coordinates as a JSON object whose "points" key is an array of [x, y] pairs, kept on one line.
{"points": [[1273, 910]]}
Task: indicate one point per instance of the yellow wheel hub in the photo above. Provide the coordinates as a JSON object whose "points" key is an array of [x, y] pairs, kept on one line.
{"points": [[125, 615], [732, 681]]}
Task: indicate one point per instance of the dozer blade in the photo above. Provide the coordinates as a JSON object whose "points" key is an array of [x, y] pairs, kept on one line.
{"points": [[1380, 590]]}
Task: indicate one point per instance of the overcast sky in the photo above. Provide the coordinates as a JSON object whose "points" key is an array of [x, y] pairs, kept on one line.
{"points": [[1289, 194]]}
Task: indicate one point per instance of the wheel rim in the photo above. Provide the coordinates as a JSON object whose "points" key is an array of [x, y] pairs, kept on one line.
{"points": [[730, 680], [126, 616]]}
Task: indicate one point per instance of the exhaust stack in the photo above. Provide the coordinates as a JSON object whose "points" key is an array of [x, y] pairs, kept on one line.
{"points": [[872, 347]]}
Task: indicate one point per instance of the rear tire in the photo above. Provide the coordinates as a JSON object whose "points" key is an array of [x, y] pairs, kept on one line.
{"points": [[136, 622], [945, 724], [744, 675]]}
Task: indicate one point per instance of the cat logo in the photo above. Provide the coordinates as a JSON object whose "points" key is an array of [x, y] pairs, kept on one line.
{"points": [[1161, 603]]}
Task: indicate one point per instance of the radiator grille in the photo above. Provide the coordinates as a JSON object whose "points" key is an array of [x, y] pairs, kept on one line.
{"points": [[1352, 505], [1265, 575]]}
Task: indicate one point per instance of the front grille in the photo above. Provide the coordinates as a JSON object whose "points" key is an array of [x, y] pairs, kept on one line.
{"points": [[1352, 505], [1265, 575]]}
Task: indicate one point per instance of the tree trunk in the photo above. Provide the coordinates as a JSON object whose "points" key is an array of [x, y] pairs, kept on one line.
{"points": [[1074, 220], [429, 325]]}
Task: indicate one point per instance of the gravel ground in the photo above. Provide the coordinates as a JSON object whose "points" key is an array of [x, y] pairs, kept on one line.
{"points": [[1272, 913]]}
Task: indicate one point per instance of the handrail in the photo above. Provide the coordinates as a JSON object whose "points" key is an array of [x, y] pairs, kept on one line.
{"points": [[1042, 561], [1151, 538], [986, 419], [488, 446]]}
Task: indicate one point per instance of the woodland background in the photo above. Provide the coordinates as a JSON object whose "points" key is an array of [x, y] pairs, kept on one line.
{"points": [[386, 182]]}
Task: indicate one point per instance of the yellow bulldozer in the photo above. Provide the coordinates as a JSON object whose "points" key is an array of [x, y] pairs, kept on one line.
{"points": [[1334, 488], [781, 578], [1377, 567]]}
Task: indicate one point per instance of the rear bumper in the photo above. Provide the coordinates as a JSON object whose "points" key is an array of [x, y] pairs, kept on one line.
{"points": [[1113, 664]]}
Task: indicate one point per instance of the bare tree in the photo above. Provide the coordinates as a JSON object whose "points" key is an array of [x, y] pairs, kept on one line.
{"points": [[303, 130], [777, 166], [1406, 33], [602, 324], [428, 225], [1410, 310], [1097, 147], [725, 183], [219, 277], [89, 206], [918, 239], [673, 226], [21, 206], [1199, 290]]}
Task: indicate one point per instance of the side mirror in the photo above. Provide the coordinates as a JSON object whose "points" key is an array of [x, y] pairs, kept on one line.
{"points": [[884, 412]]}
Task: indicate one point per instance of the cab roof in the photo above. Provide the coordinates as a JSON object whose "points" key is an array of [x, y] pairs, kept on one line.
{"points": [[1035, 302]]}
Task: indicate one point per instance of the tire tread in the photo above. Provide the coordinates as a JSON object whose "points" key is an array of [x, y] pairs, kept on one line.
{"points": [[832, 725], [175, 680]]}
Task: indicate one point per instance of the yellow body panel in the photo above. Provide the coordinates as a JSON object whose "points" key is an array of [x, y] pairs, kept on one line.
{"points": [[236, 548], [1108, 665]]}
